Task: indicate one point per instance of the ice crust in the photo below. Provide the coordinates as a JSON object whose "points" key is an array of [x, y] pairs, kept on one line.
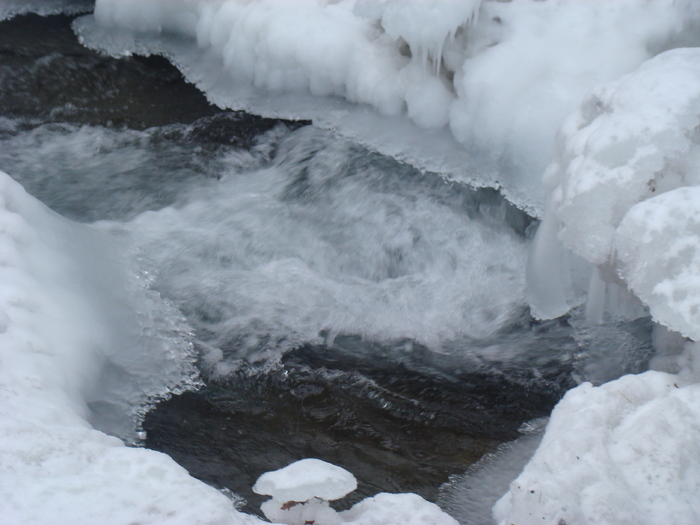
{"points": [[12, 8], [624, 452], [473, 90]]}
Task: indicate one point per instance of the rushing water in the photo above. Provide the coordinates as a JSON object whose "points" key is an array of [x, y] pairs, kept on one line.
{"points": [[344, 305]]}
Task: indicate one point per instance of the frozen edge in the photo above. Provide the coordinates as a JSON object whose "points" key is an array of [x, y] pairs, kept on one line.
{"points": [[429, 151]]}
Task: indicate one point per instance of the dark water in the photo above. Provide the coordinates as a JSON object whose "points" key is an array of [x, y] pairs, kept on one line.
{"points": [[98, 138]]}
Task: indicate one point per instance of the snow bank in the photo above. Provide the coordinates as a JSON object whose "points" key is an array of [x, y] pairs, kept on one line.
{"points": [[613, 193], [622, 453], [70, 313], [623, 191], [11, 8], [474, 89]]}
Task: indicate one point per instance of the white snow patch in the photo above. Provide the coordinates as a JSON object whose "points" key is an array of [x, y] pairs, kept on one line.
{"points": [[62, 328], [624, 452]]}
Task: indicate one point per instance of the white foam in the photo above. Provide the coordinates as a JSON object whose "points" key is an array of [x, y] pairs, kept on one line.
{"points": [[327, 242]]}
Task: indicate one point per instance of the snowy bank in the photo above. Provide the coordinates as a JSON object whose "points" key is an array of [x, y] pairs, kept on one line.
{"points": [[81, 338], [626, 452], [623, 199], [471, 89]]}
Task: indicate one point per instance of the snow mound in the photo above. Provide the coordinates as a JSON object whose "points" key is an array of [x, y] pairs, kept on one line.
{"points": [[69, 315], [396, 509], [306, 479], [624, 452], [471, 89], [657, 254], [631, 140]]}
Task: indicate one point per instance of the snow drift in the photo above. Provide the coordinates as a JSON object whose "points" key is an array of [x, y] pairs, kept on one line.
{"points": [[79, 332]]}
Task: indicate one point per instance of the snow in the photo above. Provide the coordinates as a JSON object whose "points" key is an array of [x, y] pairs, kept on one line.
{"points": [[396, 509], [477, 88], [657, 252], [300, 494], [64, 338], [631, 140], [624, 452], [306, 479]]}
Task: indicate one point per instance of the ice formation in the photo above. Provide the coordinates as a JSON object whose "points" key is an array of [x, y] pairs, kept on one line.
{"points": [[11, 8], [67, 327], [301, 491], [623, 196], [616, 197], [472, 89]]}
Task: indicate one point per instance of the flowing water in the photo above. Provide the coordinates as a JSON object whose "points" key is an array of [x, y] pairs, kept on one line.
{"points": [[343, 305]]}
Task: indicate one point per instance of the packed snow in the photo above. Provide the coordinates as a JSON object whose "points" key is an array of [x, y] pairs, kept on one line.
{"points": [[75, 330], [624, 452], [472, 89]]}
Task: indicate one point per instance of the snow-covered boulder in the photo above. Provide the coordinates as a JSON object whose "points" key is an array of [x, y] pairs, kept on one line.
{"points": [[631, 140]]}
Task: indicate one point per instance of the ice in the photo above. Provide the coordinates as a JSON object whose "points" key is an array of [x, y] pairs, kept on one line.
{"points": [[624, 452], [472, 90], [11, 8], [424, 26], [470, 498], [631, 140], [80, 333], [656, 250]]}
